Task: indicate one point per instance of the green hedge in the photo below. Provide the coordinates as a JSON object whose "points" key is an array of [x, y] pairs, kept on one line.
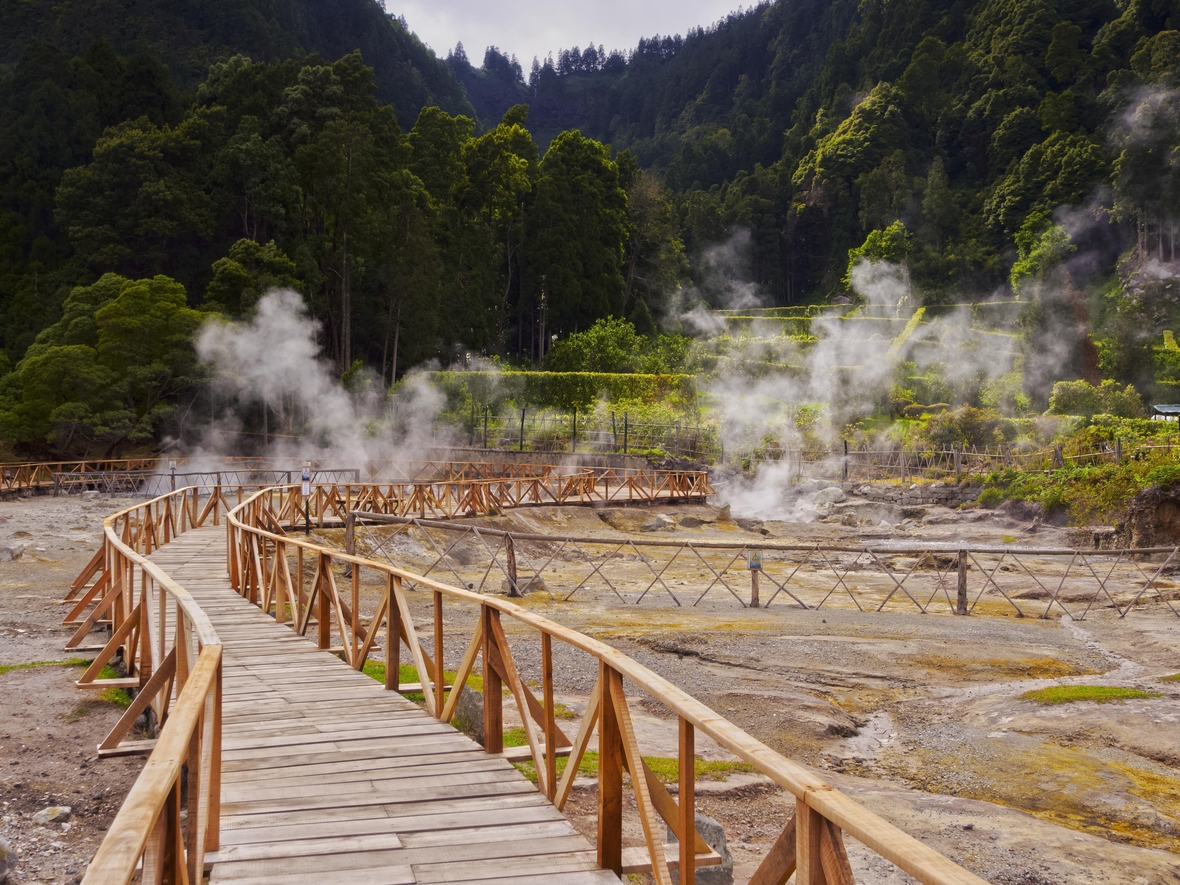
{"points": [[564, 390]]}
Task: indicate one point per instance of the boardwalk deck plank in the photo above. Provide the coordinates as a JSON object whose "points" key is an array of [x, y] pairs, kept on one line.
{"points": [[328, 778]]}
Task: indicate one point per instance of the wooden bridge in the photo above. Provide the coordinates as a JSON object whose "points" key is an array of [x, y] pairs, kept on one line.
{"points": [[295, 767]]}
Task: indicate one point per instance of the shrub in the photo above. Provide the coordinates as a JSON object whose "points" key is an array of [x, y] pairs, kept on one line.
{"points": [[1083, 398], [990, 498], [564, 390], [969, 426], [610, 345]]}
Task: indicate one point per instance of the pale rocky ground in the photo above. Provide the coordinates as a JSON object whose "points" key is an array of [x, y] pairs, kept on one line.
{"points": [[916, 716], [49, 729]]}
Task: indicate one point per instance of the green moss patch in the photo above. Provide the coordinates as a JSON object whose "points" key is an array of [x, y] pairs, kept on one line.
{"points": [[117, 696], [68, 662], [665, 769], [409, 673], [1099, 694]]}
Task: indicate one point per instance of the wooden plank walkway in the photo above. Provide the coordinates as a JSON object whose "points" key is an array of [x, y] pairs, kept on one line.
{"points": [[328, 778]]}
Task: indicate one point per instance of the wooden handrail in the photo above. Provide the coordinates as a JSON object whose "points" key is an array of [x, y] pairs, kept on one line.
{"points": [[259, 570], [149, 831], [147, 814]]}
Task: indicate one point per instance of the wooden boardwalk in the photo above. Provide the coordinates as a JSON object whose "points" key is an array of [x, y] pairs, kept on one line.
{"points": [[327, 777]]}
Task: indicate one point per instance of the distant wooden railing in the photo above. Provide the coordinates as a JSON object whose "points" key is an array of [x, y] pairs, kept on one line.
{"points": [[331, 503], [271, 569], [172, 657], [27, 475], [146, 527]]}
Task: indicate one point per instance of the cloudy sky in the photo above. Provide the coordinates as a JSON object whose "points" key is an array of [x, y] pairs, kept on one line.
{"points": [[535, 27]]}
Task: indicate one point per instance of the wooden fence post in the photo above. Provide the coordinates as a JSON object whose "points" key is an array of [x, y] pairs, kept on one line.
{"points": [[440, 678], [610, 777], [962, 600], [510, 554], [493, 696], [687, 805], [393, 635], [324, 609]]}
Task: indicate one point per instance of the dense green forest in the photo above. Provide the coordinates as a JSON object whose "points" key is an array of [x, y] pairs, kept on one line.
{"points": [[161, 163]]}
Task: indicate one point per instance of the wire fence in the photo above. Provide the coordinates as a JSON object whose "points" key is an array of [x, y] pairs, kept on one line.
{"points": [[532, 430], [946, 579], [954, 463]]}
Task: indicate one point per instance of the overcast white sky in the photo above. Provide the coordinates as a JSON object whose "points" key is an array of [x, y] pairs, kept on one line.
{"points": [[536, 27]]}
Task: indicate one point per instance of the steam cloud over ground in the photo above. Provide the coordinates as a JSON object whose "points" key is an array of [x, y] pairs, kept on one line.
{"points": [[271, 364]]}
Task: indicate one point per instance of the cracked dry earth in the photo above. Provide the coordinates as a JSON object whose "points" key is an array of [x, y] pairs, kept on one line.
{"points": [[918, 717]]}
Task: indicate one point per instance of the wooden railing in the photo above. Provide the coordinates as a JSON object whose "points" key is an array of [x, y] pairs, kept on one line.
{"points": [[146, 527], [271, 569], [19, 476], [156, 482], [331, 503], [95, 596], [172, 657]]}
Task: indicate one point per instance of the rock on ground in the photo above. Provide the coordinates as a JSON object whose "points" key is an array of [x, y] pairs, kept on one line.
{"points": [[7, 860], [714, 835], [53, 814], [469, 714]]}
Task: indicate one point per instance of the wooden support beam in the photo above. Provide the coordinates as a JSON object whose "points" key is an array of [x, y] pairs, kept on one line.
{"points": [[686, 782], [647, 814], [779, 863], [610, 777], [808, 828]]}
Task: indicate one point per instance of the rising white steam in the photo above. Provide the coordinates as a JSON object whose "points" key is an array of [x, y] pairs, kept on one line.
{"points": [[773, 391], [271, 366]]}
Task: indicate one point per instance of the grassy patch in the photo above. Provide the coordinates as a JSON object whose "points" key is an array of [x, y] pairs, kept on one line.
{"points": [[1175, 677], [68, 662], [665, 769], [515, 737], [561, 711], [1100, 694], [999, 668], [1097, 493], [117, 696], [409, 673]]}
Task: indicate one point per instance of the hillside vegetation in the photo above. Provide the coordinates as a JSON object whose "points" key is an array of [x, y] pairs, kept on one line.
{"points": [[163, 166], [189, 37]]}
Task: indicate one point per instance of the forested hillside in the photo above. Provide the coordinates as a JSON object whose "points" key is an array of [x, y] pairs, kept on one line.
{"points": [[815, 123], [187, 37], [160, 166]]}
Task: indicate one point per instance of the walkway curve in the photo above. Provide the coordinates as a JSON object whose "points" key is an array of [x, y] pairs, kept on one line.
{"points": [[324, 770], [281, 748]]}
